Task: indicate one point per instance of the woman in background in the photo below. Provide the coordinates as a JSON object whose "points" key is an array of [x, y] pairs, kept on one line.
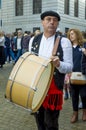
{"points": [[76, 39], [2, 51], [83, 60], [84, 55]]}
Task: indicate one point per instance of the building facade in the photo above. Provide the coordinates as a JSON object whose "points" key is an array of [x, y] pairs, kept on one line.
{"points": [[25, 14]]}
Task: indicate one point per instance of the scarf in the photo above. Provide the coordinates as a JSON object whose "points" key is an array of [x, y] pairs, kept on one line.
{"points": [[54, 98]]}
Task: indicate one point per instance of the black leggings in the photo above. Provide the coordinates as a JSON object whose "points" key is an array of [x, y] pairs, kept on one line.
{"points": [[76, 91], [47, 119]]}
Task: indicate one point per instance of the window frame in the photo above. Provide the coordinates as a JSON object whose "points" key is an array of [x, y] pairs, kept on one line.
{"points": [[18, 7], [37, 6], [76, 8], [0, 4], [66, 6], [85, 9]]}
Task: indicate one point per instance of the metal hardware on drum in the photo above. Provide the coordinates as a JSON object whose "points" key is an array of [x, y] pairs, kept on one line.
{"points": [[22, 57], [38, 63], [35, 88]]}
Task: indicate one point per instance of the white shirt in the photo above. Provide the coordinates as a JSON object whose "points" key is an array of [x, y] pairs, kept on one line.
{"points": [[2, 40], [18, 43], [46, 47], [30, 43]]}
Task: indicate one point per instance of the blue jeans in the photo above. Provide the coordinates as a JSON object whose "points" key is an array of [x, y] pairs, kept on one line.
{"points": [[12, 54], [19, 53]]}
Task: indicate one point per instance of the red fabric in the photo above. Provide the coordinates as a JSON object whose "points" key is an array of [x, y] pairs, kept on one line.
{"points": [[54, 98]]}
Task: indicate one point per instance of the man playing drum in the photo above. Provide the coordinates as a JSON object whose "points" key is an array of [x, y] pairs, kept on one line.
{"points": [[43, 44]]}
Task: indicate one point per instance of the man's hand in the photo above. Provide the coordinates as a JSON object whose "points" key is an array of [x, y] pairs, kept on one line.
{"points": [[55, 60]]}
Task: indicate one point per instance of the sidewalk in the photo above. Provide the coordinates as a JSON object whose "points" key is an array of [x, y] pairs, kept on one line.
{"points": [[13, 117]]}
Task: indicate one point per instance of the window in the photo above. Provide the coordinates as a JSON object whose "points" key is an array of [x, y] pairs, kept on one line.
{"points": [[66, 30], [18, 7], [37, 4], [0, 4], [76, 8], [1, 23], [85, 9], [1, 14], [66, 6]]}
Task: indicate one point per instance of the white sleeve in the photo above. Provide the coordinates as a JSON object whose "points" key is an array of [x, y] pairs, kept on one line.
{"points": [[67, 64], [2, 39], [30, 44]]}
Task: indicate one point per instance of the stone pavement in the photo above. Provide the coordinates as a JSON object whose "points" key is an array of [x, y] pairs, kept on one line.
{"points": [[13, 117]]}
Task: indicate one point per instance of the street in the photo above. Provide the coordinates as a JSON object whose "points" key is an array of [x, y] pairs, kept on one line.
{"points": [[13, 117]]}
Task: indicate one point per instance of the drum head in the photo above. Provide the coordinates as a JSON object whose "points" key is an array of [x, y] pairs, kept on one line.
{"points": [[42, 88]]}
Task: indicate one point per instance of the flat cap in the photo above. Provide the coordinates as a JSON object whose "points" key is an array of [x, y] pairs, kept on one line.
{"points": [[50, 13]]}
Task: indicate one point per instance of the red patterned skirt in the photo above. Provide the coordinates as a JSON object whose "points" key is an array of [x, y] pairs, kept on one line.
{"points": [[54, 98]]}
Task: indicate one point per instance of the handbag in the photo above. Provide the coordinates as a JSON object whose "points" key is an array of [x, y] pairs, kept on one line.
{"points": [[77, 78]]}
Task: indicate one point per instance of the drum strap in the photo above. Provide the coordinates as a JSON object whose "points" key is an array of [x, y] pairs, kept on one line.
{"points": [[54, 100], [56, 46]]}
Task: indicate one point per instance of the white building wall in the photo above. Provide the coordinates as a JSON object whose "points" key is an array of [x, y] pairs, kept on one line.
{"points": [[70, 21], [10, 22]]}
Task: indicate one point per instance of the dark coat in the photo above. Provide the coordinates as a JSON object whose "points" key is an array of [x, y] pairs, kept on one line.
{"points": [[84, 61]]}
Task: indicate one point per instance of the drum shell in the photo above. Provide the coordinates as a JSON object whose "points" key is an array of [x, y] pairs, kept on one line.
{"points": [[23, 87]]}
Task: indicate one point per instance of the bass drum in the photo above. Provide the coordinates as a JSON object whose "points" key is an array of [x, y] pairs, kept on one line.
{"points": [[29, 81]]}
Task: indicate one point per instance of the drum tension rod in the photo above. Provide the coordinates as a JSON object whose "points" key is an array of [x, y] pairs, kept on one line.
{"points": [[34, 88]]}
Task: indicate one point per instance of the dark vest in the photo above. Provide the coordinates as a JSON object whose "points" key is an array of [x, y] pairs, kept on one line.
{"points": [[83, 63], [58, 77]]}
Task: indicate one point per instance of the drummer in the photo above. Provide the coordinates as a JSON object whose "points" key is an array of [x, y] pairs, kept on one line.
{"points": [[48, 114]]}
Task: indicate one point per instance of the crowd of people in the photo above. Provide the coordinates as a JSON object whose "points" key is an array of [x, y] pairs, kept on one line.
{"points": [[70, 56], [12, 46]]}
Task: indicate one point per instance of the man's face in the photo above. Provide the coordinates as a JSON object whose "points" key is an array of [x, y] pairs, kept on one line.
{"points": [[19, 33], [50, 24]]}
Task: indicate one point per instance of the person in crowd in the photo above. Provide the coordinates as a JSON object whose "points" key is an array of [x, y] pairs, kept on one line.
{"points": [[48, 114], [10, 42], [25, 41], [67, 90], [34, 34], [7, 48], [2, 51], [83, 61], [75, 36], [18, 44], [13, 45], [84, 54]]}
